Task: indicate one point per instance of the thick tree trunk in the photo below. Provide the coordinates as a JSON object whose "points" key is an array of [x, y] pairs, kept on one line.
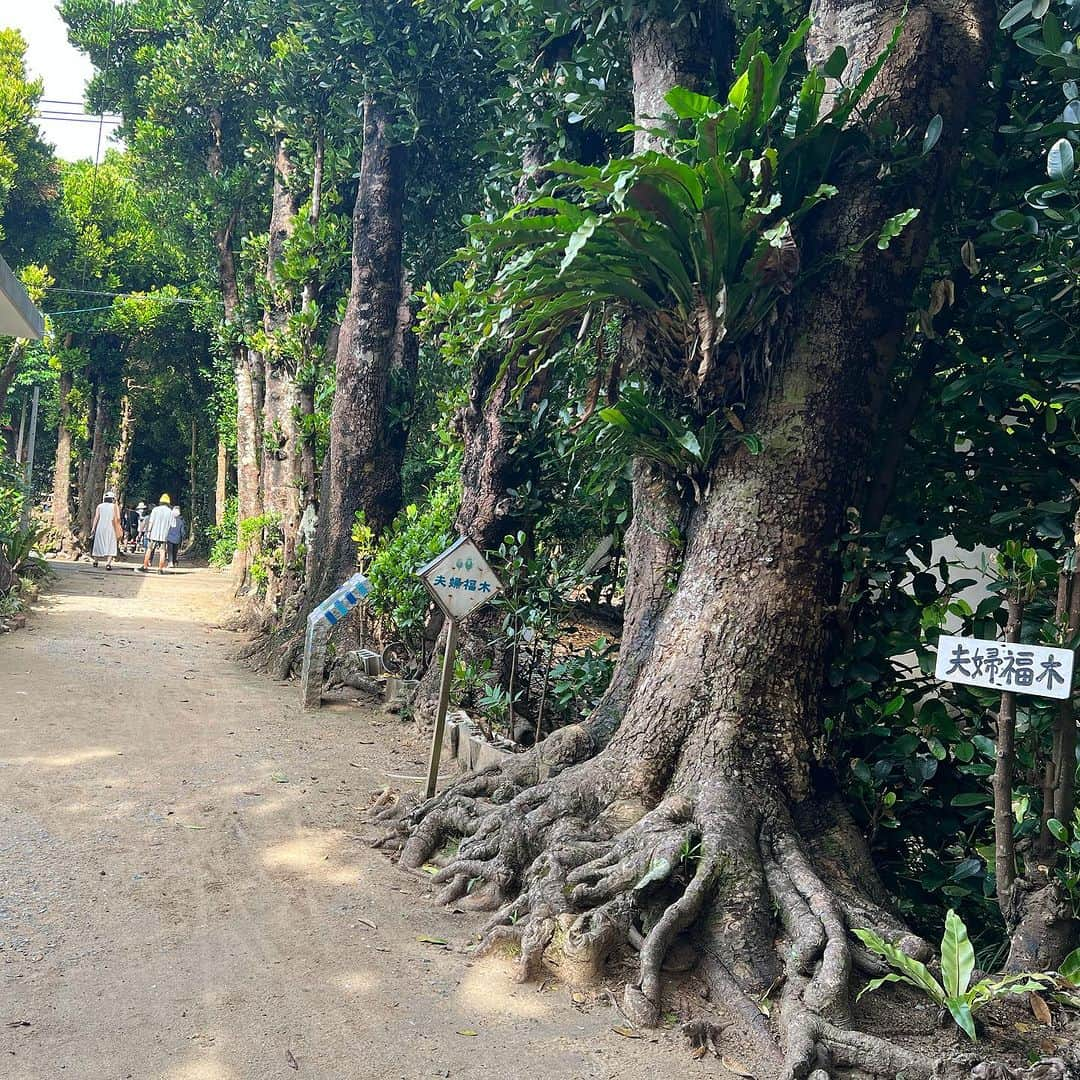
{"points": [[716, 753], [280, 472], [365, 447], [97, 464], [118, 467], [247, 369], [61, 493]]}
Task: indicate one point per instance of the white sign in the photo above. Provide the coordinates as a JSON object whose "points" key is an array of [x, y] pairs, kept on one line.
{"points": [[460, 579], [999, 665]]}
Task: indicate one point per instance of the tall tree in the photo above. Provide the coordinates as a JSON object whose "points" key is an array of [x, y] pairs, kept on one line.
{"points": [[715, 752]]}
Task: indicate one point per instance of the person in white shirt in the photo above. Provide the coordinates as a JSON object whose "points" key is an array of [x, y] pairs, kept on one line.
{"points": [[157, 534]]}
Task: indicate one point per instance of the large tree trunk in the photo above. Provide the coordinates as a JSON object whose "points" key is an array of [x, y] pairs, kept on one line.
{"points": [[365, 448], [97, 464], [221, 482], [691, 826], [61, 493], [280, 471], [118, 467]]}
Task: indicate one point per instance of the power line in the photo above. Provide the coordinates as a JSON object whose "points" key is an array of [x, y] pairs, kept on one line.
{"points": [[137, 295]]}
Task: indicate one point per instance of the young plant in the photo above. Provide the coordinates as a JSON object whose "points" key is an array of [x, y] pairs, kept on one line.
{"points": [[955, 992], [1068, 871]]}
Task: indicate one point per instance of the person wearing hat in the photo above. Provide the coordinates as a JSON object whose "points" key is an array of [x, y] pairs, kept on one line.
{"points": [[106, 530], [143, 518], [157, 534]]}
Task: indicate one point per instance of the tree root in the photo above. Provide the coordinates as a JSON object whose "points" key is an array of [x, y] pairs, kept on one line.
{"points": [[574, 869]]}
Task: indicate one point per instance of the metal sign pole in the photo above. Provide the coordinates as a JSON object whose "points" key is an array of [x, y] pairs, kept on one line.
{"points": [[444, 701], [31, 440]]}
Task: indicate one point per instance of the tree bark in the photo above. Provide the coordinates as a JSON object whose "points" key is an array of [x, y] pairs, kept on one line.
{"points": [[97, 464], [716, 752], [1004, 765], [221, 482], [365, 446], [61, 493], [118, 468], [280, 472]]}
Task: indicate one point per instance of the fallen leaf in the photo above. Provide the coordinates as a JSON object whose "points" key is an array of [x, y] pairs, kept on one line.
{"points": [[699, 1053], [366, 922], [1039, 1009], [627, 1032], [279, 778], [18, 1023], [429, 868], [432, 940], [291, 1061], [736, 1067], [468, 1031], [185, 826]]}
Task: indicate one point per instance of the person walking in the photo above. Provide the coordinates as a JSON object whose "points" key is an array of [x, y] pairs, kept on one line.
{"points": [[106, 530], [157, 534], [177, 532], [140, 526]]}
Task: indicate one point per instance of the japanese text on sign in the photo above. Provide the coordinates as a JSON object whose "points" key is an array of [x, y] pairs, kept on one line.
{"points": [[460, 579], [995, 665]]}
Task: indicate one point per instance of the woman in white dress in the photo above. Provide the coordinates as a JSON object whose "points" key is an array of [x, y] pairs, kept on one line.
{"points": [[106, 530]]}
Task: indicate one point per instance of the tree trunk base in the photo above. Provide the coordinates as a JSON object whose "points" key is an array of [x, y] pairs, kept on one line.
{"points": [[562, 849]]}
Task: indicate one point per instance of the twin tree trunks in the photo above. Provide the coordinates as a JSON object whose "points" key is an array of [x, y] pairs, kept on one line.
{"points": [[706, 783]]}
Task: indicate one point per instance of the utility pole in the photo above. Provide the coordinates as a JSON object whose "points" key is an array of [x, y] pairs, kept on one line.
{"points": [[28, 499]]}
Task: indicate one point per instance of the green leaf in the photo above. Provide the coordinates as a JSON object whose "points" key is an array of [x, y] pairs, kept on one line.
{"points": [[1016, 13], [1039, 8], [835, 66], [876, 984], [577, 242], [933, 133], [1070, 967], [687, 105], [1060, 161], [895, 226], [957, 956], [961, 1013], [914, 970], [1058, 830]]}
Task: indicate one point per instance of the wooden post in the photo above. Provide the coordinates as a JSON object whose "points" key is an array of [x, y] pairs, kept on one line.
{"points": [[1004, 766], [444, 701], [30, 445], [22, 433]]}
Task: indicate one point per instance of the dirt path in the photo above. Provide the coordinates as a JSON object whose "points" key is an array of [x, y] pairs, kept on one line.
{"points": [[183, 895]]}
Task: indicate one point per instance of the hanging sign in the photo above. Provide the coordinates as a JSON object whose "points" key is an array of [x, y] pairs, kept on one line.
{"points": [[460, 579], [997, 665]]}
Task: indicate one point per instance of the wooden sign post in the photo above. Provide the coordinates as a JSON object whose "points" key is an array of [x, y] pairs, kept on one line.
{"points": [[459, 581]]}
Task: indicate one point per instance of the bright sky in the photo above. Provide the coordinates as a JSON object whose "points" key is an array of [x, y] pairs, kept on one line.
{"points": [[65, 70]]}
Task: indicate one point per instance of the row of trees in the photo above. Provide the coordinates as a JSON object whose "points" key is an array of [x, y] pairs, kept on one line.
{"points": [[774, 295], [125, 366]]}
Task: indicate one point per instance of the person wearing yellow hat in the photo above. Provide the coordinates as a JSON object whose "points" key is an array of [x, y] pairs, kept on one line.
{"points": [[157, 534]]}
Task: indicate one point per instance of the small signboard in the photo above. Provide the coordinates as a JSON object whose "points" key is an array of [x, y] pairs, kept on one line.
{"points": [[997, 665], [460, 579]]}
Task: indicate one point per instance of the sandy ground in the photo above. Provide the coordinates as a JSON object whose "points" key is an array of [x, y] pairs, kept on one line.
{"points": [[184, 893]]}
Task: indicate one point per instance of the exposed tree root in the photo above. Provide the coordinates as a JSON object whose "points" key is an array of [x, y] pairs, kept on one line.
{"points": [[575, 870]]}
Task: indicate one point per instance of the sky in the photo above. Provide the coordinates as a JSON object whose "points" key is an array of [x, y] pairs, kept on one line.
{"points": [[65, 70]]}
